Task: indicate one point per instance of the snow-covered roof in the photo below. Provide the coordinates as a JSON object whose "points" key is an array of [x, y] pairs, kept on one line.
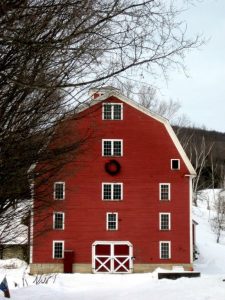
{"points": [[12, 229]]}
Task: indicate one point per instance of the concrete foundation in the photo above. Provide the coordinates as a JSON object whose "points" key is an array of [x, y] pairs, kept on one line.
{"points": [[87, 268]]}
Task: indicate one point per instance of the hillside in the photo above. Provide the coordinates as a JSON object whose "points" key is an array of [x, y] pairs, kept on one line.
{"points": [[201, 144]]}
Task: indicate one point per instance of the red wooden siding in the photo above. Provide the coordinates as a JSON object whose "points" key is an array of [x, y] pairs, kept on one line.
{"points": [[146, 162]]}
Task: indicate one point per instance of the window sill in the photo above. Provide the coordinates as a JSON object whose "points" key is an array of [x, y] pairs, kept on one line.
{"points": [[112, 200], [59, 199]]}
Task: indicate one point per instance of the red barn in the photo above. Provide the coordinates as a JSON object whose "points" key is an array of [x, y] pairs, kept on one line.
{"points": [[124, 204]]}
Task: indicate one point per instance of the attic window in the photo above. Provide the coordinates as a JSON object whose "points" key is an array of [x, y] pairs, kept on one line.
{"points": [[175, 164], [112, 111]]}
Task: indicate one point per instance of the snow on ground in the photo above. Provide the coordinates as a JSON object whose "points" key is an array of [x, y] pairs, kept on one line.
{"points": [[212, 255], [210, 286]]}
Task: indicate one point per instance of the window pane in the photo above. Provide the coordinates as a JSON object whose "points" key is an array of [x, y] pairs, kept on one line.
{"points": [[165, 222], [117, 148], [175, 164], [112, 221], [112, 217], [59, 191], [117, 112], [58, 250], [107, 192], [58, 221], [107, 112], [164, 250], [117, 192], [164, 192], [107, 148]]}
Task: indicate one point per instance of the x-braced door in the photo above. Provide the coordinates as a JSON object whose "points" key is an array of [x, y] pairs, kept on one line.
{"points": [[112, 257]]}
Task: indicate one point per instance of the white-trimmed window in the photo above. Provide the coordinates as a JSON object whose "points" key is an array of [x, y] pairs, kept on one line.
{"points": [[175, 164], [112, 191], [59, 190], [164, 221], [165, 249], [58, 220], [112, 111], [58, 249], [112, 221], [112, 147], [164, 191]]}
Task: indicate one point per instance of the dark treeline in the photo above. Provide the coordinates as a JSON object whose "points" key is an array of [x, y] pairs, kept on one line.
{"points": [[206, 150]]}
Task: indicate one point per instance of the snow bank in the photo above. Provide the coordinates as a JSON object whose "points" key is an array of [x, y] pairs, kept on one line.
{"points": [[13, 263], [124, 287], [212, 255]]}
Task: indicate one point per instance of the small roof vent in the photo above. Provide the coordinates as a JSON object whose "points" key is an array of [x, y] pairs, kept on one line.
{"points": [[100, 91]]}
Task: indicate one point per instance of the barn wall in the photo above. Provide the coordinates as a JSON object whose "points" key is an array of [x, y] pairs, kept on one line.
{"points": [[145, 163]]}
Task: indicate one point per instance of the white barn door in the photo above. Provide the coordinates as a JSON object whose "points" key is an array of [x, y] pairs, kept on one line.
{"points": [[112, 257]]}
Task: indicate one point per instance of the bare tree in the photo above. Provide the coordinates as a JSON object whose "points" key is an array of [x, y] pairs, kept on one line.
{"points": [[199, 155], [147, 96], [218, 222], [91, 41], [168, 109], [181, 121], [200, 150], [51, 52], [222, 175]]}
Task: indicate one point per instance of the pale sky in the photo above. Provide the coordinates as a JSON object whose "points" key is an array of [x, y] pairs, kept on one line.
{"points": [[202, 94]]}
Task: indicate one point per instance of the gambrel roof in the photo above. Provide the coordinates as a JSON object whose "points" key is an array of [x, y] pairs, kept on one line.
{"points": [[108, 92]]}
